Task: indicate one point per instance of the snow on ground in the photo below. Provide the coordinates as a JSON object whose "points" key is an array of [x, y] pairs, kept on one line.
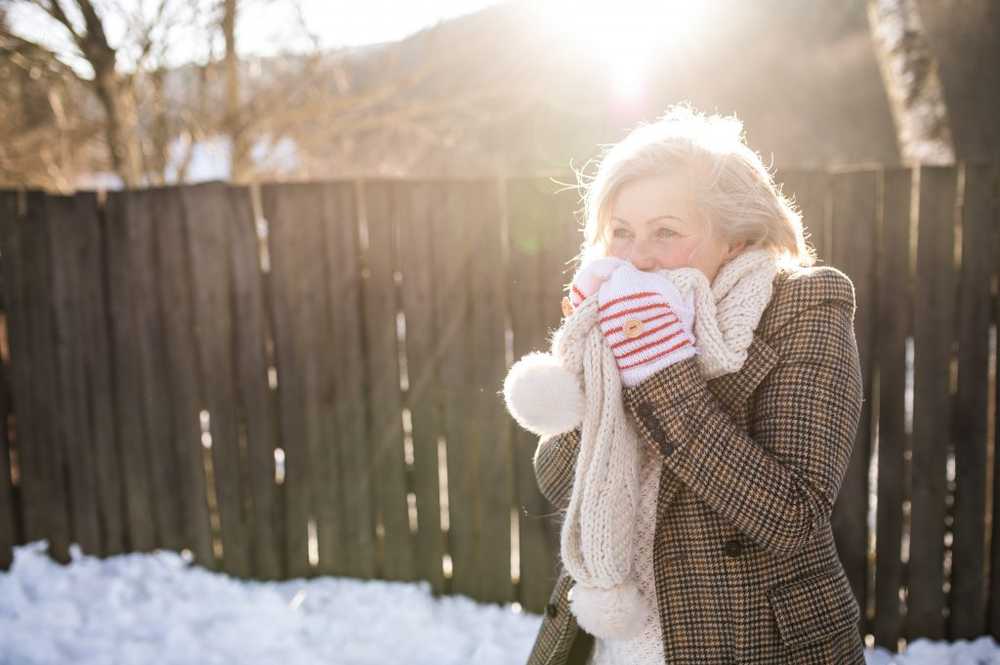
{"points": [[154, 609]]}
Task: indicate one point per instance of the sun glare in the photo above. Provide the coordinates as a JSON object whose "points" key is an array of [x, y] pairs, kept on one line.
{"points": [[625, 36]]}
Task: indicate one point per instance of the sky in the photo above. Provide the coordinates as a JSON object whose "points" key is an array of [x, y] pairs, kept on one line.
{"points": [[264, 27], [625, 37]]}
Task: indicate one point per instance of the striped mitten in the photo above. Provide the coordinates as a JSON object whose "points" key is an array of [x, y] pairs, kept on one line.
{"points": [[646, 322]]}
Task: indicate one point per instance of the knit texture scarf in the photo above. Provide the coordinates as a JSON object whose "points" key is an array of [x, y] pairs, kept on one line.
{"points": [[598, 531]]}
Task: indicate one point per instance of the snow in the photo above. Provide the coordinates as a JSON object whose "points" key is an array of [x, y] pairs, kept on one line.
{"points": [[154, 608]]}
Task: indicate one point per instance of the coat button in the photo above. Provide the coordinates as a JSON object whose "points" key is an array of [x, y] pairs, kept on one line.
{"points": [[551, 609], [733, 548], [658, 435], [667, 448], [644, 410]]}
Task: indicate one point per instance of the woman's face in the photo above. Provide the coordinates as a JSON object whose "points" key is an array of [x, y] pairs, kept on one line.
{"points": [[653, 223]]}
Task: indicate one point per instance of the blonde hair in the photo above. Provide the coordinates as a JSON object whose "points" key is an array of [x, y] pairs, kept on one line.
{"points": [[733, 191]]}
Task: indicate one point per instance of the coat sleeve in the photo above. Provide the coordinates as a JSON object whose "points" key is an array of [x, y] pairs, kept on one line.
{"points": [[778, 481], [555, 461]]}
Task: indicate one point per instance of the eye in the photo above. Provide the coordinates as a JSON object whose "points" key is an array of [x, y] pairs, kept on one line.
{"points": [[664, 232], [621, 232]]}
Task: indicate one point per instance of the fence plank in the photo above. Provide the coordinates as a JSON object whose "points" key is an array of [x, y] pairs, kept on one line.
{"points": [[993, 605], [932, 335], [289, 210], [894, 307], [40, 435], [424, 352], [329, 515], [182, 377], [854, 227], [123, 214], [305, 365], [488, 427], [68, 216], [347, 349], [253, 390], [451, 311], [968, 587], [95, 358], [9, 493], [528, 213], [385, 398], [8, 525], [811, 193], [152, 388], [19, 345], [210, 218]]}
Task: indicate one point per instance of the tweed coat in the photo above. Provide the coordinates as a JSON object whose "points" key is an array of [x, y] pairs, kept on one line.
{"points": [[745, 565]]}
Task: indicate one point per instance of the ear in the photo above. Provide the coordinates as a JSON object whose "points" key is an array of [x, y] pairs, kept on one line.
{"points": [[735, 248]]}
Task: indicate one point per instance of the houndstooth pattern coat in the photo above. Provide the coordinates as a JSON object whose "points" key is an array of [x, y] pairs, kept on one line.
{"points": [[745, 564]]}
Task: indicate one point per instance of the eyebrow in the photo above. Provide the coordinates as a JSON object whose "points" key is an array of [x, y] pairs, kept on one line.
{"points": [[648, 221]]}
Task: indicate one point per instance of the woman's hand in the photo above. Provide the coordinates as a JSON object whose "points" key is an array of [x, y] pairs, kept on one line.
{"points": [[588, 279], [646, 322]]}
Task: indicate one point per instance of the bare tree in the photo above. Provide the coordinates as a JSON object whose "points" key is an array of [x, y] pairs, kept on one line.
{"points": [[136, 155], [369, 110], [910, 72]]}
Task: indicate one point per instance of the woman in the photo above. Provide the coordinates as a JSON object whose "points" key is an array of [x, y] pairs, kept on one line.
{"points": [[744, 446]]}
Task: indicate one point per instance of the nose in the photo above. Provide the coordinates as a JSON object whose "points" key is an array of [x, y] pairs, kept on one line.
{"points": [[640, 258]]}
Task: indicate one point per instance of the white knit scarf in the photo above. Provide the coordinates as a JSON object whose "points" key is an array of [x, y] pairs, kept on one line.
{"points": [[599, 526]]}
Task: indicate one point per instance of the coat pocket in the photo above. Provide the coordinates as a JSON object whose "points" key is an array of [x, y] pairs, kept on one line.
{"points": [[814, 607], [558, 630]]}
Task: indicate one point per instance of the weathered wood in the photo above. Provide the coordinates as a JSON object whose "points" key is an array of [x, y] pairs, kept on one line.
{"points": [[284, 207], [96, 359], [541, 239], [424, 353], [993, 605], [894, 309], [487, 421], [40, 435], [207, 209], [68, 217], [451, 305], [151, 398], [18, 344], [810, 190], [326, 451], [933, 324], [967, 617], [255, 397], [9, 493], [8, 524], [854, 234], [124, 209], [182, 375], [384, 395], [346, 347]]}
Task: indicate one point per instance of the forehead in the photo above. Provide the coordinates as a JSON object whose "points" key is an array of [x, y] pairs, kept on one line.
{"points": [[642, 200]]}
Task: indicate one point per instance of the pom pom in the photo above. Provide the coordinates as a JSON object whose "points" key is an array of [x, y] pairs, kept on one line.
{"points": [[543, 397], [616, 613]]}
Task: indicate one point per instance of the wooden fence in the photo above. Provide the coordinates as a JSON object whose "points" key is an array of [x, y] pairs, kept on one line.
{"points": [[303, 380]]}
